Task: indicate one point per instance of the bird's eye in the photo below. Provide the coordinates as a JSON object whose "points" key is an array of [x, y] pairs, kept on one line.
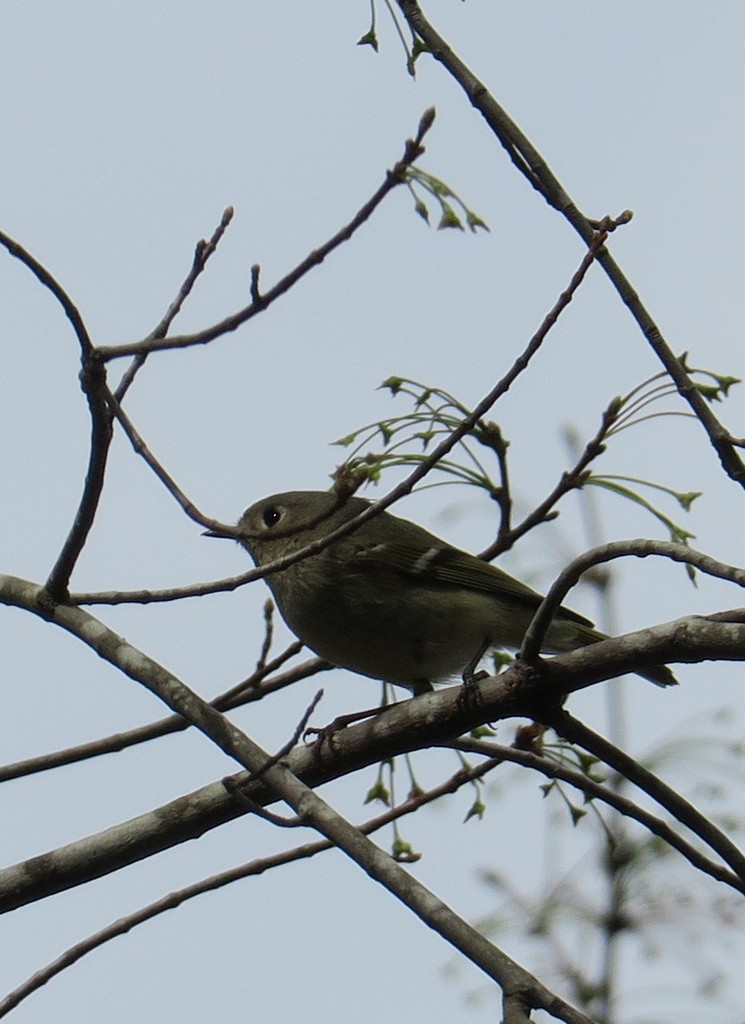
{"points": [[271, 516]]}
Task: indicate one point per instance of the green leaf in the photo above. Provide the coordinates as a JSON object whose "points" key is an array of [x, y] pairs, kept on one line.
{"points": [[449, 218], [476, 810], [394, 384], [709, 391], [385, 433], [403, 851], [687, 498], [369, 39], [577, 814], [344, 442], [422, 210], [481, 731], [586, 761], [475, 222], [378, 791], [725, 383], [677, 533]]}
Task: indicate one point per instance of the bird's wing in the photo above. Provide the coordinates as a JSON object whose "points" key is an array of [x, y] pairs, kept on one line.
{"points": [[445, 566]]}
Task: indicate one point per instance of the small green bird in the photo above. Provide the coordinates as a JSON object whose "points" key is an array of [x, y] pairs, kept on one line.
{"points": [[392, 601]]}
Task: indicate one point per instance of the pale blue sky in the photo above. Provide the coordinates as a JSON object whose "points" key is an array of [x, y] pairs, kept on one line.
{"points": [[126, 130]]}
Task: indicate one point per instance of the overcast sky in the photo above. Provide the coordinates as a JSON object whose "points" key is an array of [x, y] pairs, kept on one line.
{"points": [[126, 130]]}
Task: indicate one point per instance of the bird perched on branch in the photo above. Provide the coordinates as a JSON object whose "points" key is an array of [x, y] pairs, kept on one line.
{"points": [[392, 601]]}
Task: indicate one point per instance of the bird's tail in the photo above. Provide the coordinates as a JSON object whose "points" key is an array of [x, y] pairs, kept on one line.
{"points": [[580, 635]]}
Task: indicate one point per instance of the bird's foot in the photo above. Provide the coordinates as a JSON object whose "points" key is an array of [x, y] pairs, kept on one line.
{"points": [[469, 696], [327, 731]]}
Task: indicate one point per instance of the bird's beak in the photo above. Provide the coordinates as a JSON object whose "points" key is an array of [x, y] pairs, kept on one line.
{"points": [[221, 534]]}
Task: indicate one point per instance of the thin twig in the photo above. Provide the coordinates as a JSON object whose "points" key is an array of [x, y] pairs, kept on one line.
{"points": [[375, 508], [255, 688], [413, 149], [533, 640], [573, 478], [266, 645], [293, 740], [93, 382], [139, 445], [46, 278], [202, 253], [577, 732], [149, 596], [597, 791]]}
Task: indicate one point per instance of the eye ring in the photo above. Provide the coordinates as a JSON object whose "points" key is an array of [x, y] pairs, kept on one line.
{"points": [[271, 516]]}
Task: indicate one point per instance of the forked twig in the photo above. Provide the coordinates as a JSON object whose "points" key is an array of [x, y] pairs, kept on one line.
{"points": [[412, 151]]}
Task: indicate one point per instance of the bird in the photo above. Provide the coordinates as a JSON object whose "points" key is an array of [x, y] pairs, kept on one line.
{"points": [[391, 600]]}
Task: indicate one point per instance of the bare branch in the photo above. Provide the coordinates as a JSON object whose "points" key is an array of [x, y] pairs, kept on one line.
{"points": [[532, 165], [598, 791], [413, 149], [293, 741], [255, 688], [94, 384], [515, 1010], [576, 732], [93, 380], [149, 596], [405, 487], [46, 278], [429, 719], [252, 868], [288, 787], [533, 641], [160, 471], [202, 253], [266, 644], [570, 480]]}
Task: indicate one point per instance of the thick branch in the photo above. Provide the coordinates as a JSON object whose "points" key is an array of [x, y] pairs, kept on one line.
{"points": [[286, 786], [253, 868], [428, 720]]}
